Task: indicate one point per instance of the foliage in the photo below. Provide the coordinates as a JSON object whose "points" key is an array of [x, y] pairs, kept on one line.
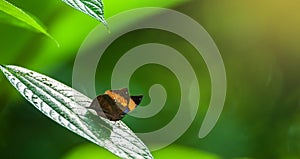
{"points": [[259, 43], [67, 107], [19, 14]]}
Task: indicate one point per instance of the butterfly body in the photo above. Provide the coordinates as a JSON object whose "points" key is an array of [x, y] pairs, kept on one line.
{"points": [[114, 104]]}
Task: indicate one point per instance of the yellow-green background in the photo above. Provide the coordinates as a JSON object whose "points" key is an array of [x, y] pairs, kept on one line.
{"points": [[259, 43]]}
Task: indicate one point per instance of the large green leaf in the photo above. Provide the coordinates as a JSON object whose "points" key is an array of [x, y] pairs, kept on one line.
{"points": [[19, 14], [68, 108], [94, 8]]}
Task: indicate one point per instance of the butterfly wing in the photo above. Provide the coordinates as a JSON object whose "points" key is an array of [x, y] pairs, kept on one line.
{"points": [[106, 107], [137, 99], [114, 104], [133, 102]]}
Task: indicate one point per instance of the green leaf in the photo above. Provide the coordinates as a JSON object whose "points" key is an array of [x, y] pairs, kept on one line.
{"points": [[68, 108], [93, 8], [19, 14], [51, 56]]}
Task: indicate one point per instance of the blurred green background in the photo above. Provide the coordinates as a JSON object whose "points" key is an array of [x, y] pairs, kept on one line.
{"points": [[259, 43]]}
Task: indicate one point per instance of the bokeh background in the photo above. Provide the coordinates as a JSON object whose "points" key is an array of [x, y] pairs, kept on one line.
{"points": [[259, 43]]}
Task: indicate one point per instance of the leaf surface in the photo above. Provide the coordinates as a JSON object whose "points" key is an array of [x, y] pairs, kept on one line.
{"points": [[19, 14], [93, 8], [68, 108]]}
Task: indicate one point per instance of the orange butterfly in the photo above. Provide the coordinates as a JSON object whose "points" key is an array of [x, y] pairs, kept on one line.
{"points": [[114, 104]]}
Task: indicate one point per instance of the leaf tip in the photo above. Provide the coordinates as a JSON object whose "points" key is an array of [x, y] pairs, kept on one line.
{"points": [[2, 67]]}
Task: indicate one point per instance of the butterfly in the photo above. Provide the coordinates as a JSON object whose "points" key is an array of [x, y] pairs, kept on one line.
{"points": [[114, 104]]}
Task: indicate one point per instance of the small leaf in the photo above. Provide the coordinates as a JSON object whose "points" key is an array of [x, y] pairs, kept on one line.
{"points": [[19, 14], [67, 107], [94, 8]]}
